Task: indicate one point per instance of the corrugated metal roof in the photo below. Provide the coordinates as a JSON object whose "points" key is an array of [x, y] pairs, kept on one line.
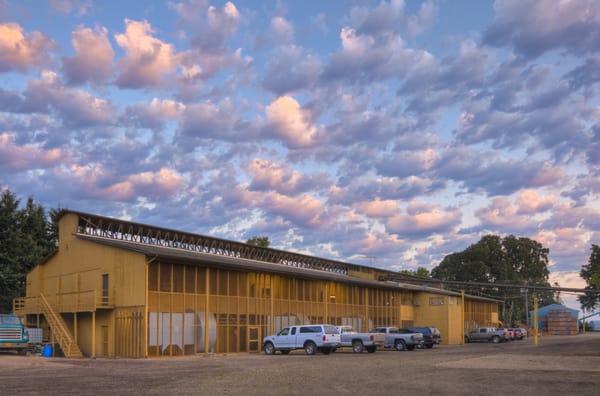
{"points": [[186, 256]]}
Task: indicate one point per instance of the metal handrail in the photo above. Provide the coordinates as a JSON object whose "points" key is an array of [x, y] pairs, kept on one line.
{"points": [[72, 301]]}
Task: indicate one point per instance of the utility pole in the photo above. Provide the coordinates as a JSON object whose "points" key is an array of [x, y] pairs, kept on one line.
{"points": [[526, 304]]}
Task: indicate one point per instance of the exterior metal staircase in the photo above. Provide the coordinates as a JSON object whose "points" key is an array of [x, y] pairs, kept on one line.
{"points": [[60, 330]]}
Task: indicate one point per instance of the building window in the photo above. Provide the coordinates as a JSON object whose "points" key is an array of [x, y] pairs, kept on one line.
{"points": [[436, 300]]}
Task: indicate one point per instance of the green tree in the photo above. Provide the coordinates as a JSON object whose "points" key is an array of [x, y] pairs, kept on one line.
{"points": [[262, 241], [590, 272], [26, 236], [496, 259], [420, 272]]}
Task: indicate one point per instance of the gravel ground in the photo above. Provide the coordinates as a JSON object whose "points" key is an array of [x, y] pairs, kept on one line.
{"points": [[559, 365]]}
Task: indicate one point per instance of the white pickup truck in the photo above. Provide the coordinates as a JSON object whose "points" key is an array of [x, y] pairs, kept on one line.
{"points": [[312, 338], [361, 341]]}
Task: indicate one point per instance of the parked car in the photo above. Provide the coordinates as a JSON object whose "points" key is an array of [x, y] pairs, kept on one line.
{"points": [[508, 334], [523, 331], [13, 335], [486, 334], [312, 338], [399, 339], [518, 333], [431, 335], [361, 341]]}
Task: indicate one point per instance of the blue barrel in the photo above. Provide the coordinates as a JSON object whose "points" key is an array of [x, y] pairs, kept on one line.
{"points": [[47, 352]]}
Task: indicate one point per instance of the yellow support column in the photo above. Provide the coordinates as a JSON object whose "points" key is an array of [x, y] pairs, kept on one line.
{"points": [[75, 327], [326, 301], [207, 284], [367, 309], [462, 315], [94, 333], [535, 320], [146, 317], [272, 324]]}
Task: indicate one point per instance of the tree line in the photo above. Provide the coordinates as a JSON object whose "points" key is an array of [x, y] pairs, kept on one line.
{"points": [[28, 233]]}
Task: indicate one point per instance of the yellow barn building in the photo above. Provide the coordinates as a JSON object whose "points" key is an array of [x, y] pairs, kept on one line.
{"points": [[116, 288]]}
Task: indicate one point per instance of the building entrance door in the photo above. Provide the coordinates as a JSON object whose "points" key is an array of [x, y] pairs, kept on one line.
{"points": [[254, 341]]}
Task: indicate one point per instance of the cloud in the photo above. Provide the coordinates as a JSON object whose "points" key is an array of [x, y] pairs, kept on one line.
{"points": [[15, 157], [531, 202], [153, 115], [79, 7], [291, 123], [420, 221], [392, 17], [213, 26], [304, 210], [532, 27], [164, 183], [19, 50], [501, 215], [147, 59], [75, 107], [290, 69], [282, 30], [365, 58], [379, 208], [93, 56], [268, 175]]}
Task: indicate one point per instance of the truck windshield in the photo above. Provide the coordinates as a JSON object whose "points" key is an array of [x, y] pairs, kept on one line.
{"points": [[9, 319]]}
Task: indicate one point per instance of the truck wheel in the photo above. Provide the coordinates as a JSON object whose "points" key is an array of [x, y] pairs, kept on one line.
{"points": [[310, 348], [269, 348], [372, 349], [357, 346], [285, 352], [496, 340], [400, 345]]}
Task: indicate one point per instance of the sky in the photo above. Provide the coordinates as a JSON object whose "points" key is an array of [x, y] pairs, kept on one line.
{"points": [[386, 133]]}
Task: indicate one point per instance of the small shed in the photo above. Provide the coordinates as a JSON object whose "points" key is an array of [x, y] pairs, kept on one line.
{"points": [[557, 319]]}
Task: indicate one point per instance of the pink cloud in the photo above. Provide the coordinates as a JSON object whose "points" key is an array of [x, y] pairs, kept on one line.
{"points": [[291, 123], [147, 59], [424, 220], [163, 183], [379, 208], [531, 202], [20, 50], [502, 214], [270, 175], [17, 157], [93, 56]]}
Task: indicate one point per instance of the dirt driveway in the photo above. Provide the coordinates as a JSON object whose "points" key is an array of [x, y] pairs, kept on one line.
{"points": [[559, 366]]}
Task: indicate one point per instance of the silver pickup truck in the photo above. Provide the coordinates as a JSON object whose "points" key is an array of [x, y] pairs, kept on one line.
{"points": [[361, 341], [492, 334], [400, 339]]}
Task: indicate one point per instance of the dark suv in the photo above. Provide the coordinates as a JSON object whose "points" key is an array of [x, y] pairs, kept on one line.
{"points": [[431, 335]]}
